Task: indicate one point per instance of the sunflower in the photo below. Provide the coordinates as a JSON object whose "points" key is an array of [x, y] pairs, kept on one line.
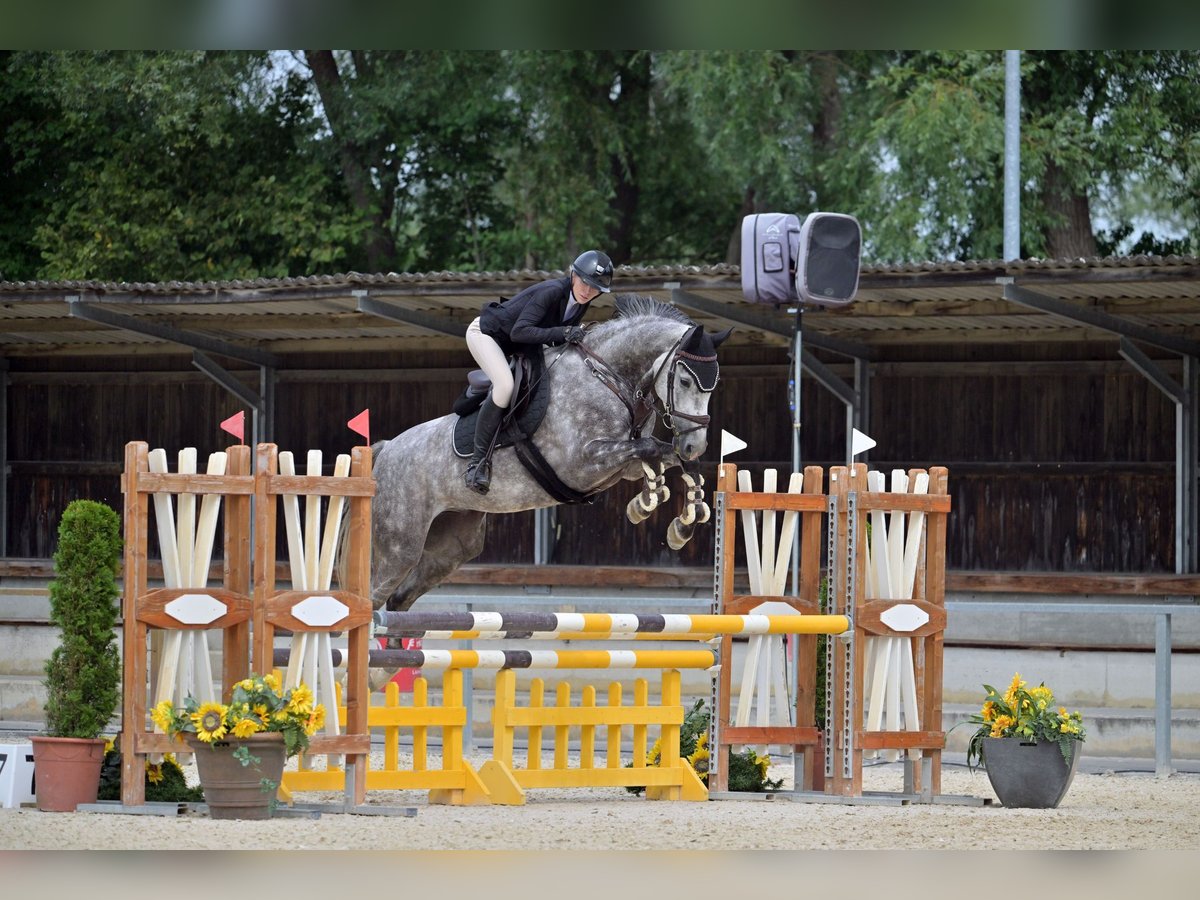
{"points": [[316, 721], [209, 720]]}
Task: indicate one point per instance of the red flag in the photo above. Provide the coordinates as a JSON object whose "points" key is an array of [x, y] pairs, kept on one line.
{"points": [[361, 424], [236, 425]]}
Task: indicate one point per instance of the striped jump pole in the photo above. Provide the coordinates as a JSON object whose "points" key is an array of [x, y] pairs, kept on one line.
{"points": [[428, 635], [604, 624], [533, 659]]}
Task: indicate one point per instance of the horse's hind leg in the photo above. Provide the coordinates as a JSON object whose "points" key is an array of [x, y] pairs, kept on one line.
{"points": [[455, 537]]}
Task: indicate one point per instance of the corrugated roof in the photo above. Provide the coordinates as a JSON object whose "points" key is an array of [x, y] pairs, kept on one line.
{"points": [[928, 301]]}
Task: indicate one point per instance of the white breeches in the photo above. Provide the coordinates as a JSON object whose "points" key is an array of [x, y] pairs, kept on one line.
{"points": [[493, 362]]}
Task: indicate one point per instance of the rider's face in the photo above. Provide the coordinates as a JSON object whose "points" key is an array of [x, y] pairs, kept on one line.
{"points": [[584, 292]]}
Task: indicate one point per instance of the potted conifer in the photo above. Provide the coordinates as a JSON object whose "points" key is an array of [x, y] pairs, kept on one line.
{"points": [[83, 673]]}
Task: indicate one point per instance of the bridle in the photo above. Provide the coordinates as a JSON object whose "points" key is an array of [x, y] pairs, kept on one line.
{"points": [[641, 400]]}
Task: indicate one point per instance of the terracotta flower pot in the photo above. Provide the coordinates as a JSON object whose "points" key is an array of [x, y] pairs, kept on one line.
{"points": [[66, 771], [1028, 775], [240, 788]]}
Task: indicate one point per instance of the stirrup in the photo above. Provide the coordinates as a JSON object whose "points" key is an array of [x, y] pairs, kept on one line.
{"points": [[479, 476]]}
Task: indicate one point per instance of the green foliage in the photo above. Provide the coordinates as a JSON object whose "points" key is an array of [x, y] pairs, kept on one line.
{"points": [[822, 667], [83, 673], [165, 781], [134, 166]]}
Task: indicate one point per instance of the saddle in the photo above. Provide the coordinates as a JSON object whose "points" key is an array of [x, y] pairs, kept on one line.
{"points": [[531, 397]]}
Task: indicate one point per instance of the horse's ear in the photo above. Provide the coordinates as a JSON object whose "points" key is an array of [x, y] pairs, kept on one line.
{"points": [[719, 337]]}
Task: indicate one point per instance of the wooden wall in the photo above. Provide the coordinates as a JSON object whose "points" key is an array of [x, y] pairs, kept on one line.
{"points": [[1060, 457]]}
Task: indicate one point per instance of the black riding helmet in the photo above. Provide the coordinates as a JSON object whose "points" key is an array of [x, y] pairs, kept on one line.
{"points": [[595, 268]]}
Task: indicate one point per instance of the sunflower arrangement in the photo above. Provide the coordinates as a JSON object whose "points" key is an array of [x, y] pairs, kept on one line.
{"points": [[1027, 713], [259, 704]]}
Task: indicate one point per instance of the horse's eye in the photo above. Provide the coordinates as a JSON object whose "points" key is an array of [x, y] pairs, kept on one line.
{"points": [[686, 382]]}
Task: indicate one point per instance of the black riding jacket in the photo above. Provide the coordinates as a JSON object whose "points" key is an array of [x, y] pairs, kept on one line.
{"points": [[535, 316]]}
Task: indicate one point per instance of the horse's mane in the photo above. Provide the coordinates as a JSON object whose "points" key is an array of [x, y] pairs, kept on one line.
{"points": [[636, 305]]}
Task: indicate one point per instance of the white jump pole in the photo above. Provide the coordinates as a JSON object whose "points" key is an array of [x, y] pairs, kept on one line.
{"points": [[767, 560], [291, 518], [203, 684], [325, 691], [893, 555], [168, 651], [879, 651], [311, 558], [184, 665], [912, 546]]}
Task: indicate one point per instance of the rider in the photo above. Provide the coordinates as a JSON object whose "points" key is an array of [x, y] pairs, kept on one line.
{"points": [[545, 313]]}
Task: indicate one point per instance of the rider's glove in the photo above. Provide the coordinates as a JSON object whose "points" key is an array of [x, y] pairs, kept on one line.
{"points": [[573, 334]]}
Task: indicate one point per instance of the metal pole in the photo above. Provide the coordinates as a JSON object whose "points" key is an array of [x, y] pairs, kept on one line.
{"points": [[1012, 154], [797, 367], [1162, 695], [1186, 465]]}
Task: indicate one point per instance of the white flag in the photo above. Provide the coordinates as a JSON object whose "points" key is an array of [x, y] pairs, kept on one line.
{"points": [[730, 443], [859, 442]]}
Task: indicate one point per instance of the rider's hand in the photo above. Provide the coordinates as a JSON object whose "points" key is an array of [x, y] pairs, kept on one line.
{"points": [[573, 335]]}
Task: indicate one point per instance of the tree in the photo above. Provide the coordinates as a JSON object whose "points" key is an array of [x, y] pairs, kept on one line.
{"points": [[1093, 124], [169, 165], [190, 165]]}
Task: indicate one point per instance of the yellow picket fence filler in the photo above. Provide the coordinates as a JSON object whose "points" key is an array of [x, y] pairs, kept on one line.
{"points": [[500, 780], [456, 782], [672, 779]]}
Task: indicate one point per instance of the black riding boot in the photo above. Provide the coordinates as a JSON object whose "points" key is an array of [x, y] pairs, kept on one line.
{"points": [[479, 470]]}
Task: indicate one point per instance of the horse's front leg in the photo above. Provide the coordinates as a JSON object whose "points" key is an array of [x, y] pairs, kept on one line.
{"points": [[601, 457], [655, 492], [695, 511]]}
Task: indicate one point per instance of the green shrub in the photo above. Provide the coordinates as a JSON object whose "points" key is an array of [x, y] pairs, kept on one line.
{"points": [[165, 781], [83, 674]]}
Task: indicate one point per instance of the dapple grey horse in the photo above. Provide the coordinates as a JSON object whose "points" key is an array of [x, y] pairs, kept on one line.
{"points": [[648, 361]]}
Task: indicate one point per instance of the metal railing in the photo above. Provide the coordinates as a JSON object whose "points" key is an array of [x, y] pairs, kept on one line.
{"points": [[1162, 648]]}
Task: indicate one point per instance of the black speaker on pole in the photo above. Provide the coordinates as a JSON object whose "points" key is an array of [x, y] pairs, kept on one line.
{"points": [[828, 263]]}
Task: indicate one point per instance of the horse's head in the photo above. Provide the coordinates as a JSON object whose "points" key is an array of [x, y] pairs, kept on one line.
{"points": [[684, 382]]}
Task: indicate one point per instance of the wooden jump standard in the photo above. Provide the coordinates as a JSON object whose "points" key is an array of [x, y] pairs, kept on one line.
{"points": [[227, 608], [920, 619]]}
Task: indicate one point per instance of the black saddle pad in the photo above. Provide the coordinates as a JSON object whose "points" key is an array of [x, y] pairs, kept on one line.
{"points": [[530, 408]]}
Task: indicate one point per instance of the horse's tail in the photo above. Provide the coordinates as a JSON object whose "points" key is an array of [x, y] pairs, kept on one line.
{"points": [[343, 556]]}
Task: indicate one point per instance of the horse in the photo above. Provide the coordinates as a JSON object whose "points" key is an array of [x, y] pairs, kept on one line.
{"points": [[597, 431]]}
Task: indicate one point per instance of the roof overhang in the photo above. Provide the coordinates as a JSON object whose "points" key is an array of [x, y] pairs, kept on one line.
{"points": [[1154, 300]]}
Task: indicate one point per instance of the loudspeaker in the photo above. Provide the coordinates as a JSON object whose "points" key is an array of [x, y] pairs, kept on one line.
{"points": [[828, 264], [770, 242]]}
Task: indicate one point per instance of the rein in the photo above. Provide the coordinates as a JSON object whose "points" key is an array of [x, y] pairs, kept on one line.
{"points": [[639, 400]]}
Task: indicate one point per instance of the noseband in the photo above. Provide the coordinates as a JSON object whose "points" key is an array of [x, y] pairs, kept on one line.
{"points": [[640, 400]]}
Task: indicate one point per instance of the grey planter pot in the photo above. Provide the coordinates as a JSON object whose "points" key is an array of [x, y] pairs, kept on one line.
{"points": [[1027, 775]]}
